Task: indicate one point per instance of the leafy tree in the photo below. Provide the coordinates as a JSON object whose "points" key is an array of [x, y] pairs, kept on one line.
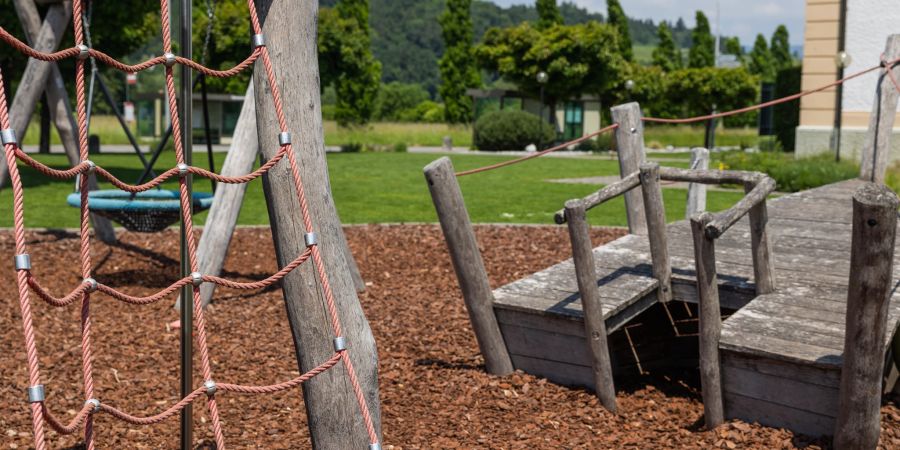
{"points": [[458, 70], [548, 14], [666, 55], [732, 46], [577, 58], [780, 49], [617, 19], [396, 99], [702, 52], [760, 60], [697, 90]]}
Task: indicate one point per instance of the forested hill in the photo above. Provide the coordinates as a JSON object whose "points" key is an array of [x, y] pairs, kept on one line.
{"points": [[406, 36]]}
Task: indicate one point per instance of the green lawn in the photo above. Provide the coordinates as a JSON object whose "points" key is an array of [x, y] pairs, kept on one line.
{"points": [[384, 187]]}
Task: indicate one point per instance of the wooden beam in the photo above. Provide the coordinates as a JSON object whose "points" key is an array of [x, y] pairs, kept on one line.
{"points": [[710, 321], [630, 149], [656, 229], [696, 201], [467, 262], [334, 418], [608, 192], [877, 147], [708, 176], [722, 221], [763, 265], [871, 281]]}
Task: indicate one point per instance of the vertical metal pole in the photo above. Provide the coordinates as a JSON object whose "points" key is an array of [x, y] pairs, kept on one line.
{"points": [[839, 89], [187, 316]]}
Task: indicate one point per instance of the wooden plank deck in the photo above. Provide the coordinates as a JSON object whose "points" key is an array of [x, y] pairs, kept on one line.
{"points": [[781, 352]]}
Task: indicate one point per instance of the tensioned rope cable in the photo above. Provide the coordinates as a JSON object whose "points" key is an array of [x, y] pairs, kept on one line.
{"points": [[28, 282]]}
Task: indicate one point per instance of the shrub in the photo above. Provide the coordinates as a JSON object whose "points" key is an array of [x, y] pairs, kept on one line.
{"points": [[352, 147], [400, 147], [395, 99], [787, 115], [790, 174], [511, 130]]}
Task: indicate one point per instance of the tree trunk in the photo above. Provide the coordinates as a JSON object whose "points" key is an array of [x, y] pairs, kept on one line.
{"points": [[334, 418]]}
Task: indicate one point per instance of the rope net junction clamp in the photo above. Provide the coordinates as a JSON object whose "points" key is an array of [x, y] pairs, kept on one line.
{"points": [[23, 261]]}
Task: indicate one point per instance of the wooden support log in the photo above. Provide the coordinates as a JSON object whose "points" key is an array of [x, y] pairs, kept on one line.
{"points": [[333, 415], [608, 192], [708, 176], [656, 230], [871, 259], [594, 324], [696, 201], [710, 320], [722, 221], [763, 265], [630, 149], [467, 262], [876, 152]]}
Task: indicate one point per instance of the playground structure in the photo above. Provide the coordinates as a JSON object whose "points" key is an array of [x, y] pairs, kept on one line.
{"points": [[807, 347], [297, 214]]}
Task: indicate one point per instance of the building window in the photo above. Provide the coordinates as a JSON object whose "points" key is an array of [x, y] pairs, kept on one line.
{"points": [[574, 120]]}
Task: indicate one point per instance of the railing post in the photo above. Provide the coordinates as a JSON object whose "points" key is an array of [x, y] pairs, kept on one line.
{"points": [[877, 146], [760, 247], [594, 325], [696, 200], [656, 229], [868, 295], [467, 262], [630, 149], [710, 321]]}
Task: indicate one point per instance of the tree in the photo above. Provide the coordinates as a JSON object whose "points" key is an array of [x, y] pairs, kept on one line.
{"points": [[780, 48], [458, 70], [697, 90], [666, 55], [396, 100], [702, 52], [618, 19], [548, 14], [732, 46], [760, 60]]}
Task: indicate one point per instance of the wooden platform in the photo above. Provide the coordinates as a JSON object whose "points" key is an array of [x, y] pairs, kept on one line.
{"points": [[781, 353]]}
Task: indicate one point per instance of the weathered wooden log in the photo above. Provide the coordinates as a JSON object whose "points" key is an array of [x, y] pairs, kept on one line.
{"points": [[710, 320], [760, 247], [333, 414], [876, 152], [708, 176], [592, 309], [696, 201], [605, 194], [871, 259], [655, 211], [630, 149], [722, 221], [467, 262]]}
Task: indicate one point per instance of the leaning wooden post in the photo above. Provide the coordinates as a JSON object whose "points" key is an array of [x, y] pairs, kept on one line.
{"points": [[656, 229], [877, 147], [760, 247], [334, 419], [696, 200], [871, 279], [592, 309], [630, 149], [710, 320], [467, 262]]}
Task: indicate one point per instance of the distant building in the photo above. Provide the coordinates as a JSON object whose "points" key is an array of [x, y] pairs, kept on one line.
{"points": [[224, 109], [868, 24]]}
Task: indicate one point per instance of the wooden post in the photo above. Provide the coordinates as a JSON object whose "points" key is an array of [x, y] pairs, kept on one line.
{"points": [[467, 262], [696, 200], [760, 247], [333, 415], [710, 321], [871, 280], [656, 229], [630, 149], [594, 324], [877, 147]]}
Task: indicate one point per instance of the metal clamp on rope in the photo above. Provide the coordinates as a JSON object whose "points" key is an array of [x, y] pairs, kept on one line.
{"points": [[210, 386], [258, 40], [311, 239], [8, 136], [196, 278], [91, 165], [170, 59], [340, 344], [284, 138], [95, 405], [35, 393], [375, 446], [83, 51], [23, 261], [92, 284], [183, 169]]}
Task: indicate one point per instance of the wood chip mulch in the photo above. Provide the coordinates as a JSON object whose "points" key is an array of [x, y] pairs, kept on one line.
{"points": [[434, 391]]}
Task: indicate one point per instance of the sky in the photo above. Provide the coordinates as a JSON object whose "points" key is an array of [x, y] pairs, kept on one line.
{"points": [[742, 18]]}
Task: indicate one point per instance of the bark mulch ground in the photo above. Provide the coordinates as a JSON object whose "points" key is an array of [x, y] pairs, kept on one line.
{"points": [[434, 391]]}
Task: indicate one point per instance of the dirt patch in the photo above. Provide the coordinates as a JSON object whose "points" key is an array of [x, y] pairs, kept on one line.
{"points": [[435, 393]]}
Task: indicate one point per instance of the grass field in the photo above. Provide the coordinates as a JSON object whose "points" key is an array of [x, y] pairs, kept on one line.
{"points": [[385, 187]]}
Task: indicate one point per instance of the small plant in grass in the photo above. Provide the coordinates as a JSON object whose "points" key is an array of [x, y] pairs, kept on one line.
{"points": [[352, 147], [400, 147], [790, 174], [511, 130]]}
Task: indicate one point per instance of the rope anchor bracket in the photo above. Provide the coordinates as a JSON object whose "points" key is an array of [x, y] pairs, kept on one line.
{"points": [[36, 393], [23, 261]]}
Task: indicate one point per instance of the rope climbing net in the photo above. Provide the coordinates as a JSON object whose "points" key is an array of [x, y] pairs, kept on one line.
{"points": [[28, 282]]}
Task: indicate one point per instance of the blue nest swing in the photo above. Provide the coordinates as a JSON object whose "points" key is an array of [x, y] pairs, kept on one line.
{"points": [[144, 212]]}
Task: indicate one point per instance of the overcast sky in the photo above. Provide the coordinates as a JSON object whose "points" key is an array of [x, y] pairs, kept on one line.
{"points": [[743, 18]]}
